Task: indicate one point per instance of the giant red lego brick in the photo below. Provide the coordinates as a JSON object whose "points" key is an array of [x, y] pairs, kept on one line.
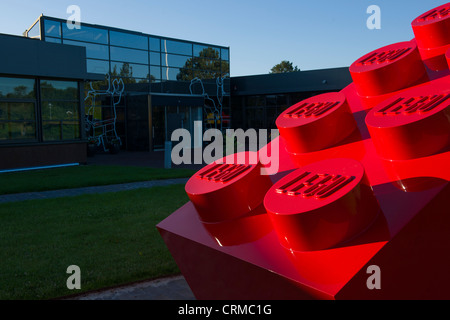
{"points": [[376, 197]]}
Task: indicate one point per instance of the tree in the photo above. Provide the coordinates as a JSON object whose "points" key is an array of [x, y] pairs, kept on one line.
{"points": [[283, 67]]}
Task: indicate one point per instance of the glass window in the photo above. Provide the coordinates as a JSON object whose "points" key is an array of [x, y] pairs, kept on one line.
{"points": [[35, 31], [172, 46], [129, 70], [206, 51], [97, 66], [155, 44], [155, 58], [89, 34], [170, 73], [16, 88], [225, 54], [54, 40], [129, 55], [128, 40], [59, 90], [173, 60], [96, 51], [52, 28], [60, 110], [17, 121], [155, 73]]}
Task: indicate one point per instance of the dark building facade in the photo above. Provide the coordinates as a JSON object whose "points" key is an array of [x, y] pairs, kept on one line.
{"points": [[258, 100], [41, 103]]}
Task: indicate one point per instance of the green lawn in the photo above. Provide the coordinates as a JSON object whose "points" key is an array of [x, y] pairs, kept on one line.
{"points": [[112, 237], [83, 176]]}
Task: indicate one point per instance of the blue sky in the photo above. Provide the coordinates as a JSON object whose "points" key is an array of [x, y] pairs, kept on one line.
{"points": [[260, 33]]}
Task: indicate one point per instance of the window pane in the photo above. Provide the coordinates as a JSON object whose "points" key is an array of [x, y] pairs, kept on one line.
{"points": [[54, 40], [225, 54], [206, 51], [173, 60], [97, 66], [129, 55], [155, 44], [155, 58], [128, 40], [59, 110], [155, 73], [170, 73], [17, 130], [35, 31], [17, 88], [96, 51], [171, 46], [59, 90], [86, 34], [125, 69], [52, 28], [17, 111], [17, 121]]}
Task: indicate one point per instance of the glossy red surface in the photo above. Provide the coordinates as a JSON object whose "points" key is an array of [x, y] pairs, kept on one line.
{"points": [[447, 57], [302, 125], [246, 258], [413, 124], [228, 188], [321, 205], [431, 31], [387, 69]]}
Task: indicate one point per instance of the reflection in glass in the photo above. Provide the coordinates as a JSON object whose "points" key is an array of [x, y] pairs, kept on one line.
{"points": [[59, 90], [54, 40], [155, 58], [17, 88], [96, 51], [125, 69], [97, 66], [129, 55], [17, 121], [225, 54], [128, 40], [60, 130], [179, 47], [52, 28], [173, 60], [155, 73], [170, 73], [154, 44], [89, 34], [200, 49], [59, 110]]}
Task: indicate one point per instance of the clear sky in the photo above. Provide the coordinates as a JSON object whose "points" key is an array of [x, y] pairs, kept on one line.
{"points": [[260, 33]]}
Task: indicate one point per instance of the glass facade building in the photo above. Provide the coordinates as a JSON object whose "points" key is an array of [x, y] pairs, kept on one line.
{"points": [[185, 81]]}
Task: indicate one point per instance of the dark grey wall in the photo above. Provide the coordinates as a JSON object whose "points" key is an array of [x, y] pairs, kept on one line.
{"points": [[303, 81], [31, 57]]}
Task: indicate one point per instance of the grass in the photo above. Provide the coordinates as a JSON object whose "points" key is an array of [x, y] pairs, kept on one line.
{"points": [[112, 238], [83, 176]]}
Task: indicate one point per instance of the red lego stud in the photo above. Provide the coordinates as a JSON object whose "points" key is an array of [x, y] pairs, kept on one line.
{"points": [[388, 69], [321, 205], [412, 124], [316, 123], [432, 34], [229, 188]]}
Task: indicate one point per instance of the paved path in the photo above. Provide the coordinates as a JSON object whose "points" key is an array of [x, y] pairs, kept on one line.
{"points": [[172, 288], [88, 190]]}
